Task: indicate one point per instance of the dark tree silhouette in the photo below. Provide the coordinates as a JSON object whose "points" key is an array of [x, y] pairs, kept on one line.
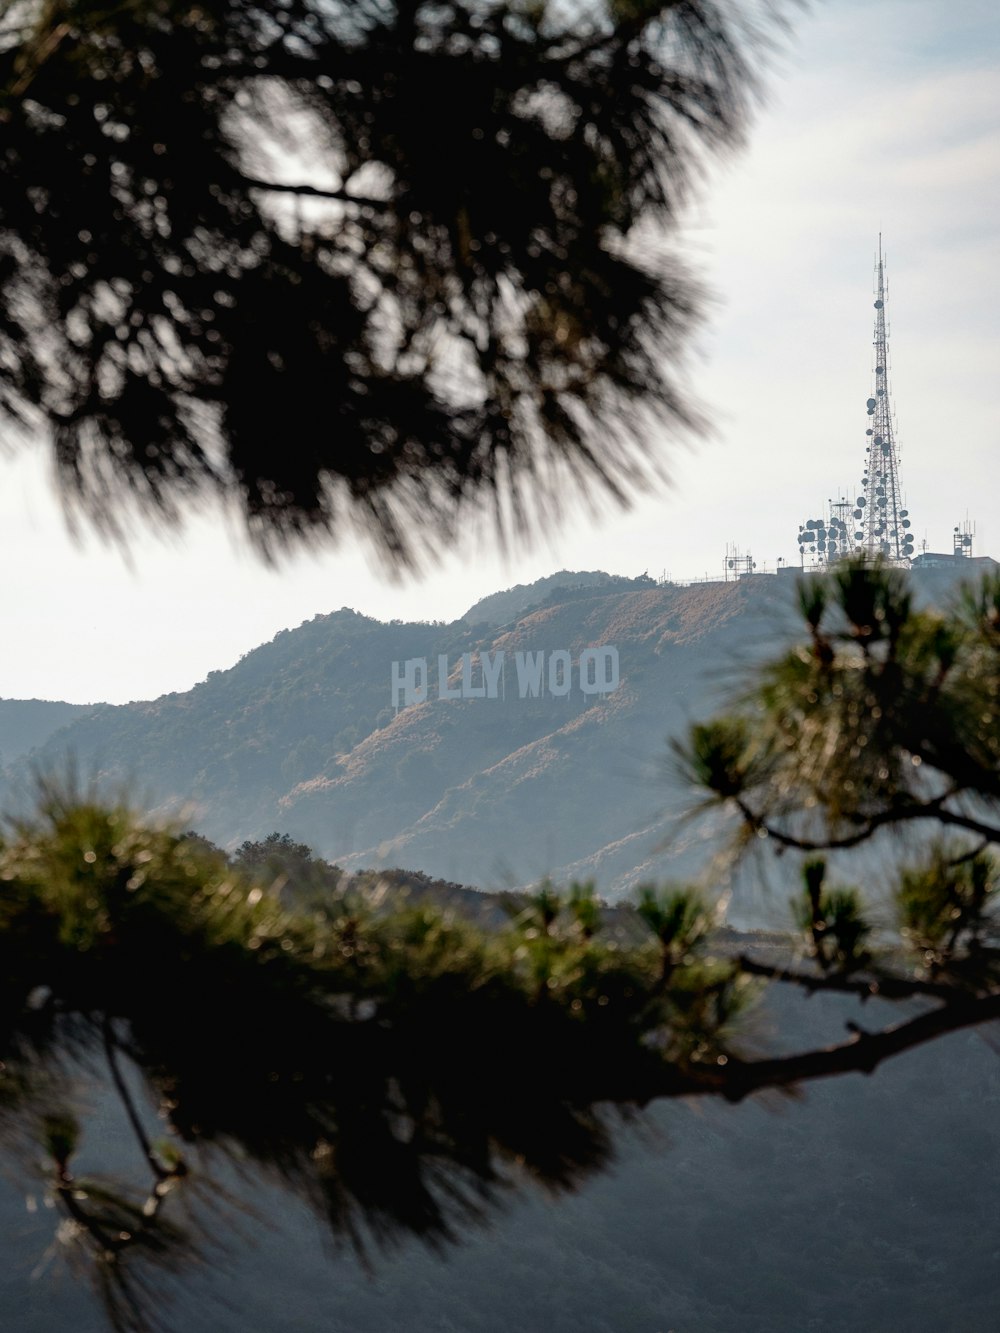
{"points": [[358, 259]]}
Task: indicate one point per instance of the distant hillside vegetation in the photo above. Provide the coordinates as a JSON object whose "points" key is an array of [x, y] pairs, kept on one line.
{"points": [[28, 723], [302, 735], [502, 607]]}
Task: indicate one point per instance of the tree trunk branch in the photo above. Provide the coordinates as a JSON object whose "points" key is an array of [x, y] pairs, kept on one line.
{"points": [[873, 987], [314, 192], [736, 1078]]}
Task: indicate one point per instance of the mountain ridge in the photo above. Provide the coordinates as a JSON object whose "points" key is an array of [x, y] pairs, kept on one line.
{"points": [[301, 734]]}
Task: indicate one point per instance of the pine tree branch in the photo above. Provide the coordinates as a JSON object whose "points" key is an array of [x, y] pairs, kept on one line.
{"points": [[869, 825], [874, 987], [314, 192], [161, 1172], [971, 854], [735, 1079]]}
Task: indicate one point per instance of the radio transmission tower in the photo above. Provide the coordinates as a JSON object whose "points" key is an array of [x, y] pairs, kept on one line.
{"points": [[883, 525]]}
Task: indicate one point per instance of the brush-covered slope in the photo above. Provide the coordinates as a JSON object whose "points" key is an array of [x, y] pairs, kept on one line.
{"points": [[503, 608], [501, 791], [26, 724], [301, 735]]}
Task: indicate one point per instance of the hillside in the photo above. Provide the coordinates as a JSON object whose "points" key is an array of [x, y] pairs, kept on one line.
{"points": [[26, 724], [301, 735], [500, 608], [502, 791]]}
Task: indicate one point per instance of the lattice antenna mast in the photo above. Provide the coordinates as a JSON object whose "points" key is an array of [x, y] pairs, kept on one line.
{"points": [[882, 523]]}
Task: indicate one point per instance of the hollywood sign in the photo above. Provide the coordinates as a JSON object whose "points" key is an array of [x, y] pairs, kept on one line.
{"points": [[535, 674]]}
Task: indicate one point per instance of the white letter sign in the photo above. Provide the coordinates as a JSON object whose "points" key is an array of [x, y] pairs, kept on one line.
{"points": [[538, 674], [529, 674], [602, 665]]}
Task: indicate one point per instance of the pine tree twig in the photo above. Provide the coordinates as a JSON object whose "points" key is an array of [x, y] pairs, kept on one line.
{"points": [[161, 1172], [876, 986], [870, 824], [736, 1079], [315, 192]]}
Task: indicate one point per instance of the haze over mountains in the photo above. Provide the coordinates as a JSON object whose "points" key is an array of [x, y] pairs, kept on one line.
{"points": [[301, 735], [26, 724]]}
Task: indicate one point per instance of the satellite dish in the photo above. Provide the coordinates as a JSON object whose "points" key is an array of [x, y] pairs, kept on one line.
{"points": [[880, 370], [861, 502], [730, 563], [871, 404], [880, 392], [859, 536], [906, 521], [879, 305], [859, 513]]}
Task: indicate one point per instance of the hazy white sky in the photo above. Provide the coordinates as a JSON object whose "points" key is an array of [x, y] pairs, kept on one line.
{"points": [[880, 117]]}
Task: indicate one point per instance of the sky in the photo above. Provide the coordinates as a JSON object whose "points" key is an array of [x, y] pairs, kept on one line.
{"points": [[878, 118]]}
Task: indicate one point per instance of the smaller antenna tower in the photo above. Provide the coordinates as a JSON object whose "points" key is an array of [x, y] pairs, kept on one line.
{"points": [[736, 565], [961, 540], [824, 541]]}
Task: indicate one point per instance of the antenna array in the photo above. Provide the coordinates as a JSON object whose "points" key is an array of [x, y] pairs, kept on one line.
{"points": [[875, 522], [883, 525]]}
